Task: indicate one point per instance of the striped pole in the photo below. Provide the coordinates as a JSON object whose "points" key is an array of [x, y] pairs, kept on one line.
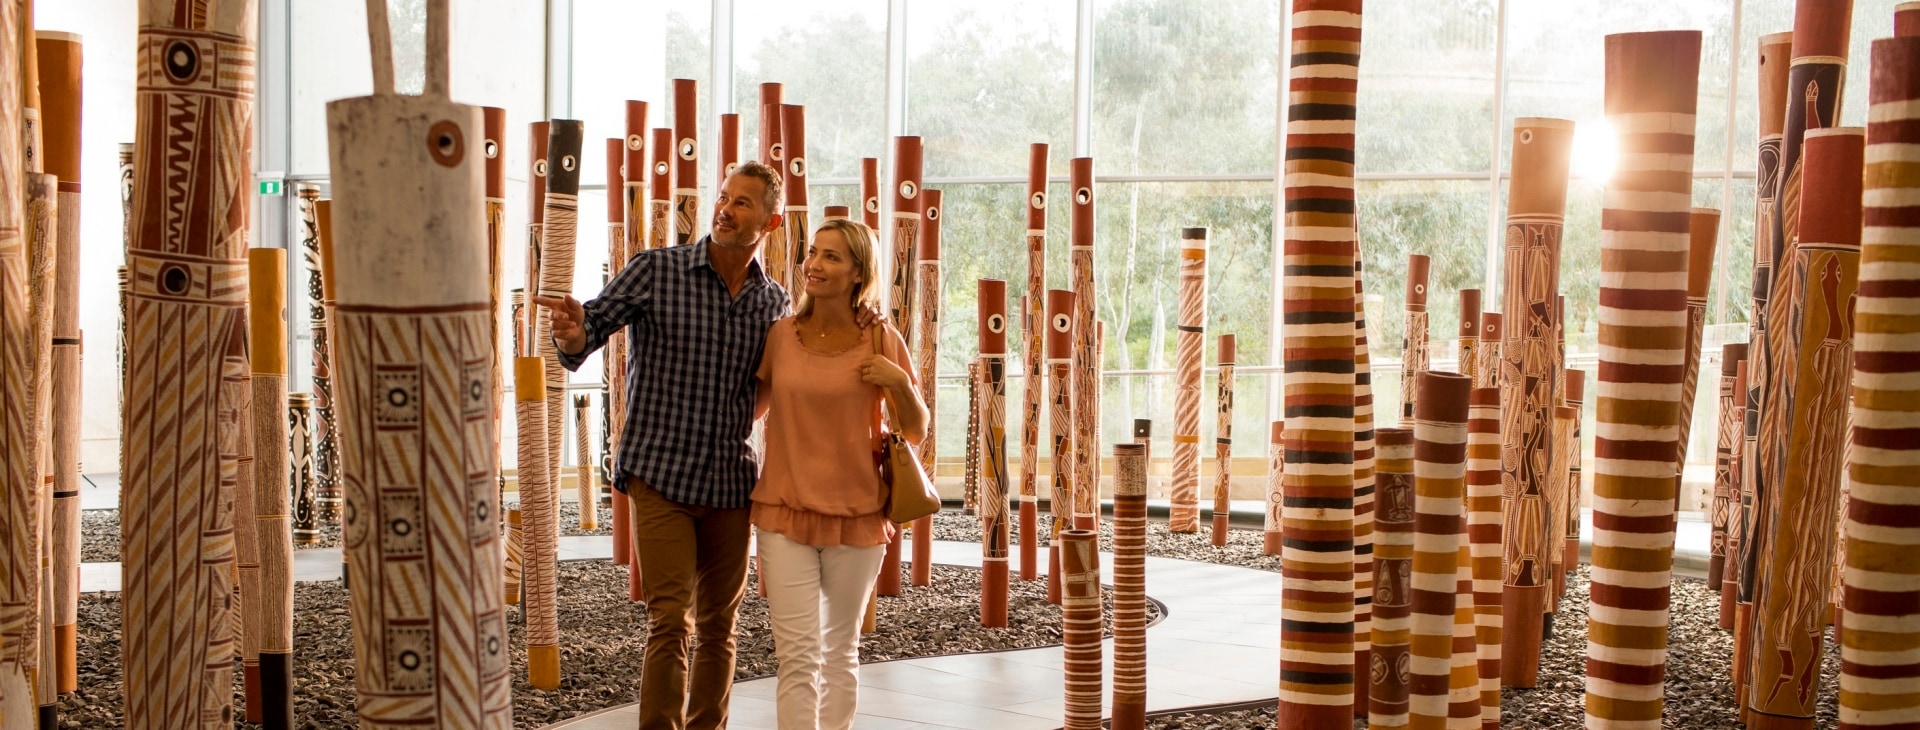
{"points": [[1034, 316], [1879, 672], [1817, 287], [1391, 660], [1183, 513], [1651, 91], [1129, 586], [1081, 626], [993, 463], [1223, 445], [1414, 357], [1436, 697], [1363, 493], [1317, 613], [1483, 537]]}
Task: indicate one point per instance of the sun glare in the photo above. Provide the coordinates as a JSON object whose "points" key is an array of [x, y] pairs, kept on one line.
{"points": [[1595, 152]]}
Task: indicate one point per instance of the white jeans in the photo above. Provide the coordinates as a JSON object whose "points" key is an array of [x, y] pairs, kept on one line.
{"points": [[816, 598]]}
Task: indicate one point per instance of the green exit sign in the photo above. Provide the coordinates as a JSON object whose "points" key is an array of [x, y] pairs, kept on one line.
{"points": [[271, 187]]}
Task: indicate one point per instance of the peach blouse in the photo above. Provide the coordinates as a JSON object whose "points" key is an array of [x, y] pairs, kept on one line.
{"points": [[819, 486]]}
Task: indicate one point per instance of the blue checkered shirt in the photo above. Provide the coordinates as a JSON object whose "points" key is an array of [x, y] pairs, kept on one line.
{"points": [[692, 351]]}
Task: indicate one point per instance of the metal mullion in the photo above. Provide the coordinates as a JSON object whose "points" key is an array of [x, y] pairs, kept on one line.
{"points": [[1491, 277]]}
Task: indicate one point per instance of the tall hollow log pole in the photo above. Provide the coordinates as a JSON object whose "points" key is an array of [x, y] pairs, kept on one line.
{"points": [[927, 360], [1881, 578], [415, 364], [908, 210], [782, 254], [1569, 531], [1535, 212], [1818, 282], [1492, 334], [660, 190], [60, 60], [993, 450], [300, 461], [1436, 697], [1129, 587], [1082, 623], [1469, 335], [797, 227], [636, 173], [1189, 360], [1390, 661], [1483, 538], [613, 396], [584, 485], [1317, 643], [1086, 381], [1414, 358], [729, 148], [870, 192], [269, 600], [970, 480], [1725, 485], [513, 565], [1271, 534], [1061, 323], [1651, 91], [559, 241], [493, 152], [1223, 444], [1703, 231], [1363, 493], [186, 352], [1906, 20], [1736, 527], [317, 231], [1035, 318], [36, 631], [686, 162]]}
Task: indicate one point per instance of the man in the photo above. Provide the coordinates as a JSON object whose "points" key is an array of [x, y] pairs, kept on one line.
{"points": [[696, 319]]}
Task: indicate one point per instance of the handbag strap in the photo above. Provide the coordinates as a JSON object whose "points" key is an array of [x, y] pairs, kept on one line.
{"points": [[877, 334]]}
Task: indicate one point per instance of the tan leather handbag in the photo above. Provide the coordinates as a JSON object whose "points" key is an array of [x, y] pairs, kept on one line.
{"points": [[907, 492]]}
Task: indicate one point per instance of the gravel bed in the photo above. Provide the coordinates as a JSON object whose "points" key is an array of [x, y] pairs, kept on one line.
{"points": [[1244, 547], [604, 635], [100, 532]]}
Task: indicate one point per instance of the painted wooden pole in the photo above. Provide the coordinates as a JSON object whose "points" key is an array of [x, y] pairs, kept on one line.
{"points": [[1906, 20], [186, 355], [1129, 587], [1035, 318], [1537, 198], [60, 60], [1317, 642], [970, 481], [269, 600], [927, 358], [1651, 92], [870, 192], [1189, 361], [1559, 501], [660, 195], [1414, 357], [1086, 366], [1271, 534], [1575, 388], [907, 213], [1363, 493], [559, 243], [1492, 336], [300, 459], [1878, 671], [1483, 538], [35, 630], [1818, 284], [493, 126], [1223, 445], [729, 144], [415, 363], [1060, 342], [1725, 485], [993, 451], [1469, 335], [1435, 699], [1082, 624], [614, 394], [315, 243], [1391, 663], [537, 588], [797, 228], [1703, 232], [513, 567], [1736, 527], [772, 95], [686, 162], [585, 486], [636, 175]]}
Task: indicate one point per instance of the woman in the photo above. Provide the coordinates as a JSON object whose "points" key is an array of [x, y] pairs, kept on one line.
{"points": [[818, 508]]}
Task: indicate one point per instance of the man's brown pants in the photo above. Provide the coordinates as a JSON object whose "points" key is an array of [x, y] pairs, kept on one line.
{"points": [[693, 566]]}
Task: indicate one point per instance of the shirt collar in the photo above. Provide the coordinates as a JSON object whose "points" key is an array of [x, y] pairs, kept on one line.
{"points": [[700, 256]]}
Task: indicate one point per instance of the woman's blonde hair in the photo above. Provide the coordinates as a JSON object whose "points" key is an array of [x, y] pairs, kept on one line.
{"points": [[866, 266]]}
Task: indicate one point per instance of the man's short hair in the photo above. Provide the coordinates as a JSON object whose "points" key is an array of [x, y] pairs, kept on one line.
{"points": [[767, 176]]}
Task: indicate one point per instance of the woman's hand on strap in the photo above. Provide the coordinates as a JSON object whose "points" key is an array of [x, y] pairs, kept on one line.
{"points": [[884, 372]]}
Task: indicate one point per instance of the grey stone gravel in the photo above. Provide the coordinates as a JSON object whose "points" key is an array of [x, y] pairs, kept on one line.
{"points": [[100, 532], [604, 635]]}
